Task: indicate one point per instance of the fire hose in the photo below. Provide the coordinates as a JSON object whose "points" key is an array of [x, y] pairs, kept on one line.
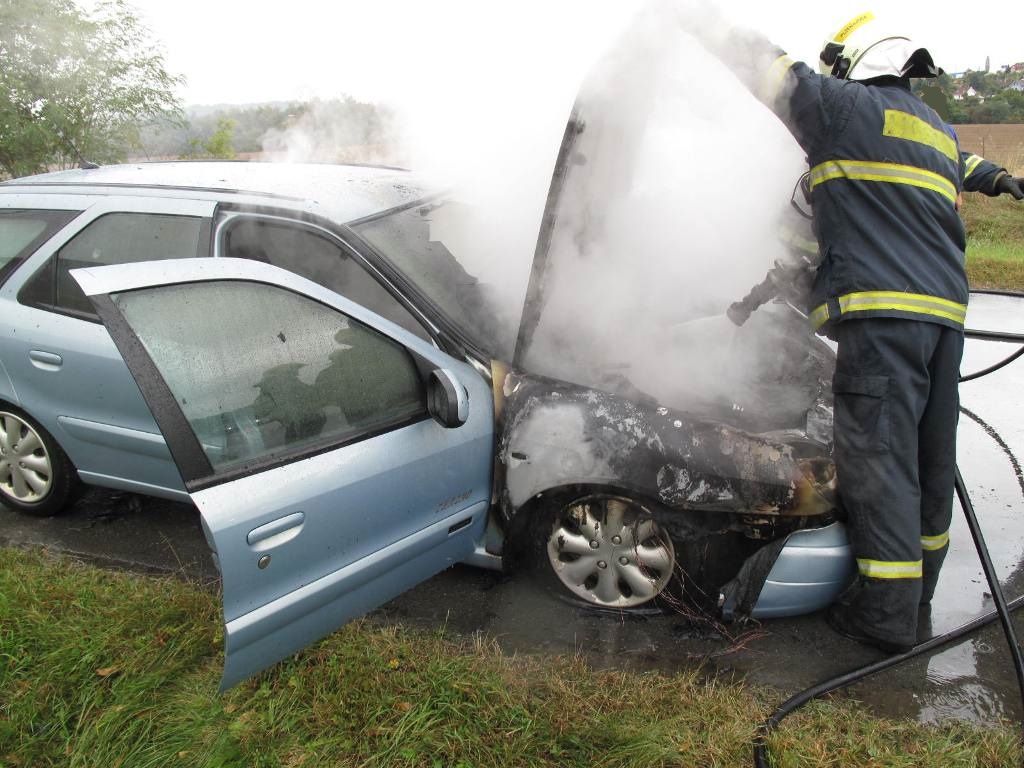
{"points": [[1001, 612]]}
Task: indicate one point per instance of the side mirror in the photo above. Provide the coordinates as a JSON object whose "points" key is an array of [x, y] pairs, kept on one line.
{"points": [[447, 399]]}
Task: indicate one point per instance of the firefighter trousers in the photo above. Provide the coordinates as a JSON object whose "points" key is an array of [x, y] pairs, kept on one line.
{"points": [[896, 413]]}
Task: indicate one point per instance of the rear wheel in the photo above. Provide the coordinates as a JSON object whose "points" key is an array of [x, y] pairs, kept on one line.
{"points": [[609, 551], [36, 477]]}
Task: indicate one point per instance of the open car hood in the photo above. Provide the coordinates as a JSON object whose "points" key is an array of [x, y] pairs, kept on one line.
{"points": [[596, 311]]}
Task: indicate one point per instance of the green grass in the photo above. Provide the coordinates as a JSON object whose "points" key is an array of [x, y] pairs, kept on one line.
{"points": [[995, 241], [101, 668]]}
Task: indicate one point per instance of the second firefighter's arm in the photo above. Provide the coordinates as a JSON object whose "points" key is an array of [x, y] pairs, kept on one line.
{"points": [[981, 175]]}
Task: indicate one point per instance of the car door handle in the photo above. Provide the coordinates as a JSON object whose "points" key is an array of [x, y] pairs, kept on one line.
{"points": [[46, 361], [277, 531], [460, 525]]}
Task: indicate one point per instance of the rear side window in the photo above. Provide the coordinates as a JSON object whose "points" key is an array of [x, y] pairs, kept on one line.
{"points": [[24, 230], [117, 238]]}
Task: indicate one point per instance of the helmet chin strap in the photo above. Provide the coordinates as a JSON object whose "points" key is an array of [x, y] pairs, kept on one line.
{"points": [[841, 68]]}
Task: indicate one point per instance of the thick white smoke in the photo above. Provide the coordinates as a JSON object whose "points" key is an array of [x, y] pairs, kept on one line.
{"points": [[676, 187]]}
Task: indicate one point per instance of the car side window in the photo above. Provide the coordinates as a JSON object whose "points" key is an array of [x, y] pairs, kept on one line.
{"points": [[317, 257], [22, 231], [116, 238], [260, 372]]}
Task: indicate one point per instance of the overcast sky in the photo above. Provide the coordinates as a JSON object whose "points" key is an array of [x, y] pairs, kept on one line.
{"points": [[239, 52]]}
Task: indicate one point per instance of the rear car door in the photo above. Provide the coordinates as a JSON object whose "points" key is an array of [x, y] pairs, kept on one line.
{"points": [[299, 422], [64, 367]]}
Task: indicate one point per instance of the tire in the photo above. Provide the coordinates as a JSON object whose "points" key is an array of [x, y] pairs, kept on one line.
{"points": [[36, 476], [608, 551]]}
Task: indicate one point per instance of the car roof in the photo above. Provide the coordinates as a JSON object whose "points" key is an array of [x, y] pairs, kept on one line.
{"points": [[343, 193]]}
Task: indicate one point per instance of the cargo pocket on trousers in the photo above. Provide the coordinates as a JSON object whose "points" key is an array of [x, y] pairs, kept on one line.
{"points": [[861, 413]]}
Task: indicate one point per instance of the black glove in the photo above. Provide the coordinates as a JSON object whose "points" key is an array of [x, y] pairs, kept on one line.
{"points": [[1011, 185]]}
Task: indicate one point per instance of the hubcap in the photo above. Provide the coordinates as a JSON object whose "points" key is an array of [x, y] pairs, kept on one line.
{"points": [[610, 552], [25, 470]]}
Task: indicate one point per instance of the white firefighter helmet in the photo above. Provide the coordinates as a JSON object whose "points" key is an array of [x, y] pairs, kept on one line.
{"points": [[863, 49]]}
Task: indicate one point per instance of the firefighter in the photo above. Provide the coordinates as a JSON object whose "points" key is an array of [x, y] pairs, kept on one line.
{"points": [[886, 174]]}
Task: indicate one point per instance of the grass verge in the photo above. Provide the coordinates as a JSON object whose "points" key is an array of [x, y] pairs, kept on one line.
{"points": [[995, 241], [101, 668]]}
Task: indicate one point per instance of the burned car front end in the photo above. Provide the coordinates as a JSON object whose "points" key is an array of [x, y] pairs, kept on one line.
{"points": [[752, 515]]}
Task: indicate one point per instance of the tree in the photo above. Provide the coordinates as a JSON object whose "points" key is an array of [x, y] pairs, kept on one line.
{"points": [[76, 85], [219, 145], [976, 80], [994, 110]]}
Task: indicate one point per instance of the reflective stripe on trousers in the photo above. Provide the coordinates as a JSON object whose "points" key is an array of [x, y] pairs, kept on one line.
{"points": [[902, 569], [934, 543], [890, 569]]}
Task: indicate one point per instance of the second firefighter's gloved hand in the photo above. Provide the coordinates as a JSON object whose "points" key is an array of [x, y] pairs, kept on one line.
{"points": [[1011, 185]]}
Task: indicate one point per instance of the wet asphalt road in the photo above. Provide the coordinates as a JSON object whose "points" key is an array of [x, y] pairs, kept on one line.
{"points": [[972, 679]]}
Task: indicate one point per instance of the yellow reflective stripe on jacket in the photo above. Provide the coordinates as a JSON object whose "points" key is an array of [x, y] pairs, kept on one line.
{"points": [[903, 125], [932, 543], [866, 170], [774, 79], [971, 165], [903, 302], [890, 569], [852, 26], [819, 316], [915, 303]]}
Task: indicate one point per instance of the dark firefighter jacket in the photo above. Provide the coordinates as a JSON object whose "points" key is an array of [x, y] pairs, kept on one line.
{"points": [[796, 233], [886, 173]]}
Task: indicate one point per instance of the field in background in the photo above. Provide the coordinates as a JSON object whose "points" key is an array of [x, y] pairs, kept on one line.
{"points": [[995, 240], [1001, 143], [995, 226]]}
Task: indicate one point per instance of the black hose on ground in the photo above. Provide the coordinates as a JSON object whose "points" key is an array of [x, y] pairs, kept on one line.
{"points": [[993, 582], [761, 757], [1001, 612], [994, 336]]}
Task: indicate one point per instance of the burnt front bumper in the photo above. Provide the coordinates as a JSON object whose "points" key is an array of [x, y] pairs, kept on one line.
{"points": [[813, 568]]}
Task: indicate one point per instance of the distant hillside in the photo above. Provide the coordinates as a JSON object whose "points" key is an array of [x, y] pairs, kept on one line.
{"points": [[980, 97]]}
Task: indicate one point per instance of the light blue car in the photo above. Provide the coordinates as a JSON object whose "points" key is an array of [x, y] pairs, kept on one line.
{"points": [[289, 348]]}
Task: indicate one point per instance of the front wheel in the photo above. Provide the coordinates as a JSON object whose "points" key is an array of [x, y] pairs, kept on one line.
{"points": [[609, 551], [36, 477]]}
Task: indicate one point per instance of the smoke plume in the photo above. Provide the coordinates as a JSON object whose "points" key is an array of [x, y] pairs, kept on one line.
{"points": [[670, 207]]}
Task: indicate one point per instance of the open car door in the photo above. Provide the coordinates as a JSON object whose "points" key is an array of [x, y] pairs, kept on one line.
{"points": [[336, 459]]}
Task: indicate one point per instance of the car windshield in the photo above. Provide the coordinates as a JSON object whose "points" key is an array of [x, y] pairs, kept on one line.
{"points": [[411, 239]]}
